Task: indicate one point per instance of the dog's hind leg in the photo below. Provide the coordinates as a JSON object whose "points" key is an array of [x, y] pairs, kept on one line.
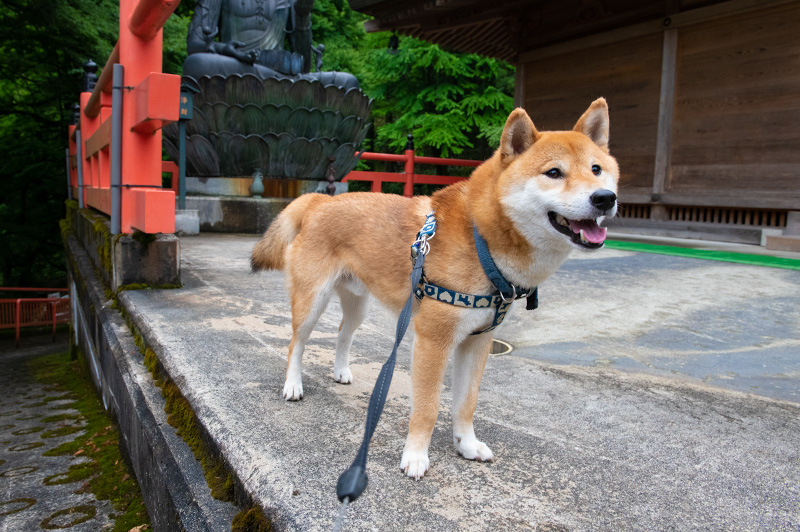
{"points": [[354, 310], [469, 362], [309, 299]]}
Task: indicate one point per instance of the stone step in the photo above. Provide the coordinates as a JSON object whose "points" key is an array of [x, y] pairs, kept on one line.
{"points": [[783, 243]]}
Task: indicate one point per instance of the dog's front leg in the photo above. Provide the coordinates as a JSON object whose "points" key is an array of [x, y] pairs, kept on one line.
{"points": [[432, 347], [469, 362]]}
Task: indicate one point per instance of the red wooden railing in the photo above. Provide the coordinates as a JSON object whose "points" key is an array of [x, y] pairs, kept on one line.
{"points": [[408, 177], [32, 312], [150, 100]]}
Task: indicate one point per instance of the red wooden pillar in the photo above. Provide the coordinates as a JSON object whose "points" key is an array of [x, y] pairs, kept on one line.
{"points": [[104, 155], [154, 99]]}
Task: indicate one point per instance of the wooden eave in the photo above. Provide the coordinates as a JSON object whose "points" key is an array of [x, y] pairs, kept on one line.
{"points": [[507, 29]]}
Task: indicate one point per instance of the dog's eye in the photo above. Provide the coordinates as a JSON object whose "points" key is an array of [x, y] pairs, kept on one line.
{"points": [[554, 173], [596, 169]]}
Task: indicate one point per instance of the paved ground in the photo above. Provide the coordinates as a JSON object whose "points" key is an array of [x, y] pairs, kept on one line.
{"points": [[729, 325], [33, 491], [620, 408]]}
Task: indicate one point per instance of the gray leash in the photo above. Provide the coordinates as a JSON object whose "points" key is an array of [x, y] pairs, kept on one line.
{"points": [[353, 481]]}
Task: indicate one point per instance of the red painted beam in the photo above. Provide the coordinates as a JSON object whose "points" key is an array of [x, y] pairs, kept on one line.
{"points": [[92, 108], [149, 17], [153, 211], [389, 157], [157, 101], [448, 162]]}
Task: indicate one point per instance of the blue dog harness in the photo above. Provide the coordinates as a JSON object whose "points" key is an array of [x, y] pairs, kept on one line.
{"points": [[507, 292]]}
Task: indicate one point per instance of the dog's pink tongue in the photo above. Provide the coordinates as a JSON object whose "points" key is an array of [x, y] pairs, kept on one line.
{"points": [[593, 232]]}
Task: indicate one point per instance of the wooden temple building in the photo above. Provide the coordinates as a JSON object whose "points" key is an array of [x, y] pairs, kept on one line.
{"points": [[704, 97]]}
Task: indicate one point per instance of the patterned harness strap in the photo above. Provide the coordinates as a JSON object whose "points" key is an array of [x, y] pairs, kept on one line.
{"points": [[507, 292]]}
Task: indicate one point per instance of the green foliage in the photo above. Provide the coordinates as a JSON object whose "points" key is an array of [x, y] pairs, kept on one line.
{"points": [[175, 31], [44, 44], [454, 104], [341, 31]]}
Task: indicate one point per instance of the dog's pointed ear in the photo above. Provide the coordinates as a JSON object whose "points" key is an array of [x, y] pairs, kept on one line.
{"points": [[519, 134], [594, 123]]}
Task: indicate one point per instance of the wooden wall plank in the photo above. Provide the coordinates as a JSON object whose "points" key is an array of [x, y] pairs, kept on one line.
{"points": [[628, 74], [736, 124], [666, 108]]}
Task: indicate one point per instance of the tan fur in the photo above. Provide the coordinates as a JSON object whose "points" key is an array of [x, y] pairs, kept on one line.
{"points": [[270, 251], [359, 242]]}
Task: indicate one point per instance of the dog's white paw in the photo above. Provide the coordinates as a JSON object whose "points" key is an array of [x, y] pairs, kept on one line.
{"points": [[414, 464], [293, 390], [472, 449], [343, 375]]}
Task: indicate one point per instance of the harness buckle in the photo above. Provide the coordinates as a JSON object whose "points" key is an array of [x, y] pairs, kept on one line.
{"points": [[420, 245], [427, 232]]}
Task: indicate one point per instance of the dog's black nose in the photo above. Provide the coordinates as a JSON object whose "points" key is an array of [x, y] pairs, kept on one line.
{"points": [[603, 199]]}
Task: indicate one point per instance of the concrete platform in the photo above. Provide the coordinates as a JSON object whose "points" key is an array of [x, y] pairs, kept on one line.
{"points": [[647, 393]]}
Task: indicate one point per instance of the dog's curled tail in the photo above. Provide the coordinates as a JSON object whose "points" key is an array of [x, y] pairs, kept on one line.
{"points": [[270, 252]]}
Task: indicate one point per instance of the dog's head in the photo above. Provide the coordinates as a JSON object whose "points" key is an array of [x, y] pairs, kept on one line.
{"points": [[558, 186]]}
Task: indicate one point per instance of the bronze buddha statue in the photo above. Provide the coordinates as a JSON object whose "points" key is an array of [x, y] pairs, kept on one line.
{"points": [[251, 41]]}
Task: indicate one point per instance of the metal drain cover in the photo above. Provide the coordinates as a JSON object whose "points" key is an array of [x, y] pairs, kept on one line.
{"points": [[499, 347]]}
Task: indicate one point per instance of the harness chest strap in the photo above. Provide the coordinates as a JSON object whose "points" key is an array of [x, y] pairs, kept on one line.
{"points": [[508, 293]]}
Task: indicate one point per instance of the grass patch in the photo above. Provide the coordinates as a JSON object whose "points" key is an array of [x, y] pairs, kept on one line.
{"points": [[60, 417], [61, 431], [76, 473], [109, 477]]}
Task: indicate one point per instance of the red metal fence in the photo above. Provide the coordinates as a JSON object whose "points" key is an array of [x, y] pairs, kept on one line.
{"points": [[32, 312], [408, 177]]}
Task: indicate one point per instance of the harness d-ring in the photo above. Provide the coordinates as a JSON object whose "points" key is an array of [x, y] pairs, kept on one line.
{"points": [[512, 298]]}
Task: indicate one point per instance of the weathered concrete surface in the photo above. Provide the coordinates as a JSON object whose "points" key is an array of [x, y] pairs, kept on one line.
{"points": [[579, 447], [729, 325], [125, 260], [187, 222], [235, 214]]}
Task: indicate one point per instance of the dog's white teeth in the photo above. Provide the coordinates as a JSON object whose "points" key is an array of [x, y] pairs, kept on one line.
{"points": [[562, 221], [583, 238]]}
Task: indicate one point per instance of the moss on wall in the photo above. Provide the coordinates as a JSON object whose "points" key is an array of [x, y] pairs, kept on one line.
{"points": [[251, 520], [180, 416]]}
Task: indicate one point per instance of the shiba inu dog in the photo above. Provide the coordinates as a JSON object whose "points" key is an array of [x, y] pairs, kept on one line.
{"points": [[541, 195]]}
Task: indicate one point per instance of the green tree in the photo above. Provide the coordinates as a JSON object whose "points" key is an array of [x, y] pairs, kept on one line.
{"points": [[454, 104], [44, 45]]}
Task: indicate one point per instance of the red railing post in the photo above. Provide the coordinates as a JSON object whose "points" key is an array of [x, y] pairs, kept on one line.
{"points": [[53, 310], [408, 188], [16, 323]]}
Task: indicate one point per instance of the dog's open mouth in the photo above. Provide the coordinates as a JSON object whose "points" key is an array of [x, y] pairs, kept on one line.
{"points": [[585, 233]]}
